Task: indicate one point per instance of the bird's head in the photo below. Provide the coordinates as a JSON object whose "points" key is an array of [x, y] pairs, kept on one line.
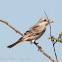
{"points": [[44, 21]]}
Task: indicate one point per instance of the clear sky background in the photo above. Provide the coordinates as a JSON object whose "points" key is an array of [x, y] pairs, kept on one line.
{"points": [[22, 14]]}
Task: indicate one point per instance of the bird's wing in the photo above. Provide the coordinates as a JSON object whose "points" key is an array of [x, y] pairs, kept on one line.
{"points": [[36, 29]]}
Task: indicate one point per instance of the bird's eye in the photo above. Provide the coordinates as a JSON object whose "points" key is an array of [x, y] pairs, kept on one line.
{"points": [[45, 20]]}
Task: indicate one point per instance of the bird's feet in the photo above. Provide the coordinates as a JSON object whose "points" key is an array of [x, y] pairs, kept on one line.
{"points": [[37, 45]]}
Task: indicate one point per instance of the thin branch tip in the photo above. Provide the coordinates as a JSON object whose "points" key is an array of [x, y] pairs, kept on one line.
{"points": [[11, 27]]}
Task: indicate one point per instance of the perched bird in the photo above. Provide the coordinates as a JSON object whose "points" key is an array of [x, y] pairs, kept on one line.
{"points": [[34, 33]]}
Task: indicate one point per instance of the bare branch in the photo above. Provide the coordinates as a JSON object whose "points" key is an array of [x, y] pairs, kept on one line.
{"points": [[11, 27], [55, 52], [53, 45], [44, 52]]}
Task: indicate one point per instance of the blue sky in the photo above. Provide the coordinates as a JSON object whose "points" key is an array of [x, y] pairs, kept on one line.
{"points": [[22, 14]]}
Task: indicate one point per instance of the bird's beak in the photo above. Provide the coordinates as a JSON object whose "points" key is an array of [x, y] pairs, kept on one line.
{"points": [[50, 21]]}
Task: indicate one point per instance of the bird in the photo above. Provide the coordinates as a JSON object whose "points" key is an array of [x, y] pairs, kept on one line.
{"points": [[35, 32]]}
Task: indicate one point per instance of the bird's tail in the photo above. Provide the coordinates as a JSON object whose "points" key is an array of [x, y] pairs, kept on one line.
{"points": [[12, 45]]}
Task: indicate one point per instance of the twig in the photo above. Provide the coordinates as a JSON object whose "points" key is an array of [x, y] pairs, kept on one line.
{"points": [[53, 45], [35, 44], [55, 52], [11, 27]]}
